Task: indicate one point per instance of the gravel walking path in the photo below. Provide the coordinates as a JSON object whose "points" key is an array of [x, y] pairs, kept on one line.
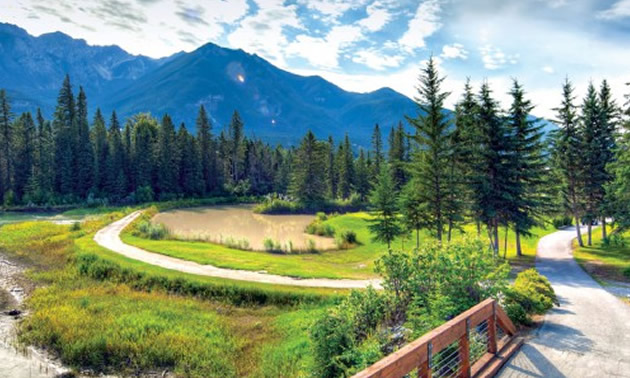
{"points": [[109, 237], [587, 336]]}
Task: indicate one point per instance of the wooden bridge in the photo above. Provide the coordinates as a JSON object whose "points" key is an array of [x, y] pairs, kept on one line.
{"points": [[476, 343]]}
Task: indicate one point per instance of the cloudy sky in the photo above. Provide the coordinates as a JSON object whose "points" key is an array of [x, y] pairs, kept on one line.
{"points": [[362, 45]]}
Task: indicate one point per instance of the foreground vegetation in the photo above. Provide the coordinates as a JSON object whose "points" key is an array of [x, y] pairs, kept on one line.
{"points": [[102, 312]]}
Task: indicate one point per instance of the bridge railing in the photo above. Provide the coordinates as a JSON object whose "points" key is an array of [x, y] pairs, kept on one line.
{"points": [[476, 343]]}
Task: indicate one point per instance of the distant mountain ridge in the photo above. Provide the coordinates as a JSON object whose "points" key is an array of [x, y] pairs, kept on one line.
{"points": [[275, 105]]}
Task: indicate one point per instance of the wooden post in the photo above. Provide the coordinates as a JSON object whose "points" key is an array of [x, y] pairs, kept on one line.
{"points": [[492, 330], [424, 370], [464, 352]]}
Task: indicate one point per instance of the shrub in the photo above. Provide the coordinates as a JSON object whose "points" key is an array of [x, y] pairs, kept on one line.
{"points": [[321, 216], [75, 226], [310, 246], [152, 231], [143, 194], [531, 294], [626, 272], [563, 221], [614, 240], [346, 239], [316, 227]]}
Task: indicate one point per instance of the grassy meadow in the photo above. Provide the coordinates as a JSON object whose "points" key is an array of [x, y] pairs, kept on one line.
{"points": [[356, 262], [606, 261], [101, 312]]}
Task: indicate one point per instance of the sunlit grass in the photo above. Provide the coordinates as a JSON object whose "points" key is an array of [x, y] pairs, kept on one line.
{"points": [[605, 262]]}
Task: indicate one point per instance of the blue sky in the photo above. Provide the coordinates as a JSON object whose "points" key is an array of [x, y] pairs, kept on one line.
{"points": [[363, 45]]}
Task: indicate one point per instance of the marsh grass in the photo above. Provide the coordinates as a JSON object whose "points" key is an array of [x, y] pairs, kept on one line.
{"points": [[108, 314]]}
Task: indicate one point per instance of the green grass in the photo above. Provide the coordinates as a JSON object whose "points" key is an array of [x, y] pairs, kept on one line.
{"points": [[605, 262], [353, 263], [126, 328]]}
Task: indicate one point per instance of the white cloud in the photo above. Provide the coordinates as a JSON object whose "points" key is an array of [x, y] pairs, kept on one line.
{"points": [[548, 69], [454, 51], [378, 17], [332, 9], [155, 28], [376, 59], [425, 22], [619, 10], [494, 58], [324, 52], [263, 32]]}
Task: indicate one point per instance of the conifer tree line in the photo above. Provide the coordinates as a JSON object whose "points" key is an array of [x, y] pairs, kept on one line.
{"points": [[481, 163], [497, 168], [76, 158]]}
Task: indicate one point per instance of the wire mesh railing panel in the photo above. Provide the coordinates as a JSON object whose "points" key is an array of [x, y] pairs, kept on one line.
{"points": [[447, 363], [478, 340]]}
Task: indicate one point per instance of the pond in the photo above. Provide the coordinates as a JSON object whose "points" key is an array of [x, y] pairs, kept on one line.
{"points": [[238, 224]]}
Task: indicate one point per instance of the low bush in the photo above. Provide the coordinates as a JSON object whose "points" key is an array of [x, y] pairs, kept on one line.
{"points": [[530, 294], [317, 227], [614, 240], [75, 226], [152, 231], [561, 222]]}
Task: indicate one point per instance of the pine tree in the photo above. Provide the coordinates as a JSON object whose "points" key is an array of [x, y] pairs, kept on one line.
{"points": [[412, 209], [568, 155], [116, 180], [397, 156], [363, 176], [84, 158], [590, 130], [492, 186], [468, 149], [345, 168], [207, 151], [167, 174], [186, 161], [145, 132], [64, 122], [377, 155], [528, 165], [129, 162], [609, 119], [331, 169], [430, 167], [24, 153], [43, 190], [101, 152], [384, 225], [235, 145], [307, 184], [6, 138]]}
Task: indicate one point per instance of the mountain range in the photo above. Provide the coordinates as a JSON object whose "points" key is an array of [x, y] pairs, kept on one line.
{"points": [[275, 105]]}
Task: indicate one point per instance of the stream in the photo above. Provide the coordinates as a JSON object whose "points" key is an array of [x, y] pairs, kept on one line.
{"points": [[18, 362]]}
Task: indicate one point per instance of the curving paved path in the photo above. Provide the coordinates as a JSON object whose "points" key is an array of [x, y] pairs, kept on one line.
{"points": [[587, 336], [109, 237]]}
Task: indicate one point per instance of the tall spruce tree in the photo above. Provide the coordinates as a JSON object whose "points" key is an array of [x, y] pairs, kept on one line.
{"points": [[377, 156], [236, 147], [397, 156], [345, 169], [528, 165], [362, 176], [384, 225], [206, 150], [101, 152], [84, 154], [307, 184], [116, 182], [430, 167], [590, 130], [567, 151], [145, 131], [24, 153], [608, 122], [492, 188], [167, 183], [331, 169], [64, 121], [6, 138]]}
